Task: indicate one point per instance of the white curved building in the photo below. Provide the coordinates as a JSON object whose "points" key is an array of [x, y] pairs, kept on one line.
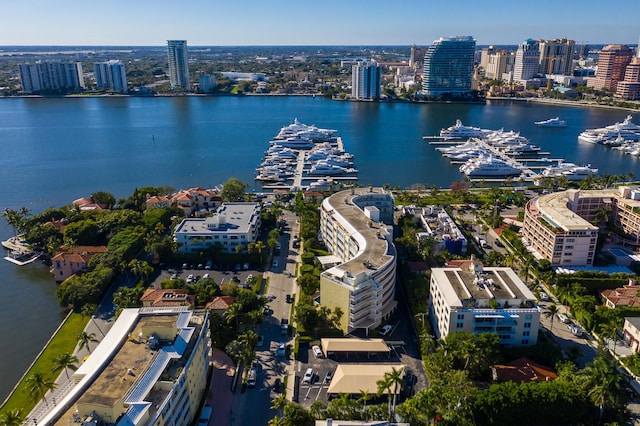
{"points": [[356, 226]]}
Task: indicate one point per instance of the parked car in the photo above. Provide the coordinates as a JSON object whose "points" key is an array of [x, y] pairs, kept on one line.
{"points": [[308, 376], [275, 263], [277, 385], [281, 349], [563, 318], [544, 296], [386, 330], [328, 377], [288, 298], [206, 276], [317, 352], [260, 341], [190, 278]]}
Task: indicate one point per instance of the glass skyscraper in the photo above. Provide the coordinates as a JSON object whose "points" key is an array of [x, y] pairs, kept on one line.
{"points": [[448, 66], [178, 64]]}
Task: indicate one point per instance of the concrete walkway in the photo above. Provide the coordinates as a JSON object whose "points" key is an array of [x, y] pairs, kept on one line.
{"points": [[220, 397]]}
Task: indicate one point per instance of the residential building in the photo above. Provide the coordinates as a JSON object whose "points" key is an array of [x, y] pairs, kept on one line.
{"points": [[481, 299], [438, 228], [157, 201], [621, 296], [43, 77], [612, 64], [629, 88], [527, 62], [207, 83], [159, 298], [178, 64], [631, 333], [522, 370], [366, 80], [499, 65], [556, 56], [220, 304], [70, 261], [150, 369], [448, 66], [111, 75], [234, 224], [558, 226], [356, 226], [197, 201], [484, 56], [416, 59]]}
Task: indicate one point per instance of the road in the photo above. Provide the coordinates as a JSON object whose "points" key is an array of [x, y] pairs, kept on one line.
{"points": [[253, 406]]}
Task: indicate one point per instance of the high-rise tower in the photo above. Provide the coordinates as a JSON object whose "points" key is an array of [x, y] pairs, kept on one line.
{"points": [[110, 75], [178, 64], [448, 66], [366, 80], [527, 63], [612, 63]]}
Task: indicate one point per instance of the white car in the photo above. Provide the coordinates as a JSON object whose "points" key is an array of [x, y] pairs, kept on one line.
{"points": [[386, 330], [308, 376], [563, 318], [317, 352], [544, 296]]}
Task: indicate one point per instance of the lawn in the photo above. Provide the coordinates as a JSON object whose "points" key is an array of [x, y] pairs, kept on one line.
{"points": [[65, 340]]}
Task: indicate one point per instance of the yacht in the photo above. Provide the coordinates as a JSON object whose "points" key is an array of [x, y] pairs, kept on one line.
{"points": [[298, 129], [460, 131], [294, 143], [569, 170], [489, 166], [626, 130], [552, 122], [324, 169]]}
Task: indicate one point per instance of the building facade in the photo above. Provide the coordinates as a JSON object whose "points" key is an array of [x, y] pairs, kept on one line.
{"points": [[559, 227], [612, 64], [52, 76], [206, 83], [481, 300], [448, 66], [499, 65], [356, 226], [111, 75], [526, 64], [234, 224], [178, 64], [366, 80], [556, 56], [71, 261], [629, 88]]}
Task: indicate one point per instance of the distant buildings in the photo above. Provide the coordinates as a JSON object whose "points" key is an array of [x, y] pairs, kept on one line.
{"points": [[366, 80], [612, 63], [43, 77], [483, 300], [70, 261], [111, 75], [178, 64], [448, 66], [629, 88], [206, 83], [526, 65], [499, 65], [556, 56], [356, 226], [235, 224]]}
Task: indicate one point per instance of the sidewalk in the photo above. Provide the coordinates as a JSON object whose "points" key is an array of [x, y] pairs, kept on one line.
{"points": [[220, 397]]}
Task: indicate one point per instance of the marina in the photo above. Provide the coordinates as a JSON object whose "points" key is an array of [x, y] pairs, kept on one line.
{"points": [[305, 157], [623, 136]]}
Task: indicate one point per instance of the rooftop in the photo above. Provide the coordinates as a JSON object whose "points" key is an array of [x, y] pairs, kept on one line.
{"points": [[353, 345], [354, 378], [553, 208], [230, 218]]}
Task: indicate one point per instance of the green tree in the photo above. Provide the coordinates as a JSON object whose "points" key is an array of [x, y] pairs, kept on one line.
{"points": [[84, 339], [307, 316], [397, 382], [37, 385], [104, 198], [233, 190], [551, 313], [64, 362], [365, 396], [233, 313], [12, 418], [16, 218]]}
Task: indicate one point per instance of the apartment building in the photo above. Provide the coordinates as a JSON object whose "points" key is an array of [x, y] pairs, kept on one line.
{"points": [[356, 226], [448, 66], [481, 299], [526, 64], [111, 75], [366, 80], [612, 64], [44, 77], [178, 64]]}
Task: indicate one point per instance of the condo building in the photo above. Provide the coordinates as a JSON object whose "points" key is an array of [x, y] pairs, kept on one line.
{"points": [[150, 369], [448, 66], [366, 80], [526, 64], [499, 65], [110, 75], [478, 299], [178, 64], [51, 76], [356, 226], [559, 226], [234, 224], [629, 88], [556, 56], [612, 64]]}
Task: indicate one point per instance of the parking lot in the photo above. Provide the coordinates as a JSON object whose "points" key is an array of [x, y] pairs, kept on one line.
{"points": [[219, 276]]}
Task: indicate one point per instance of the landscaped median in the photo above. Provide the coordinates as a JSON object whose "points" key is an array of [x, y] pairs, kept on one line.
{"points": [[63, 341]]}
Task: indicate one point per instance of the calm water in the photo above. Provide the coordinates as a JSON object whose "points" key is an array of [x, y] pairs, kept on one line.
{"points": [[57, 150]]}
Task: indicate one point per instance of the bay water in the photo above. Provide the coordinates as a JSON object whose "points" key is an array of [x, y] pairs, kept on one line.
{"points": [[55, 150]]}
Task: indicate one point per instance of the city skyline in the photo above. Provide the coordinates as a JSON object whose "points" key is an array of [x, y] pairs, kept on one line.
{"points": [[332, 22]]}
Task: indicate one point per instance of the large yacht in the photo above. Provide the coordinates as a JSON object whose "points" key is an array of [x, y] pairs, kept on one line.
{"points": [[325, 169], [300, 130], [460, 131], [552, 122], [626, 131], [489, 166], [569, 170]]}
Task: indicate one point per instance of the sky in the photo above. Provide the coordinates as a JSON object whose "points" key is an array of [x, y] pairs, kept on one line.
{"points": [[308, 22]]}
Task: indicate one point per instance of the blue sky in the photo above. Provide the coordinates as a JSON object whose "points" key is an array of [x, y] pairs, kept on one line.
{"points": [[308, 22]]}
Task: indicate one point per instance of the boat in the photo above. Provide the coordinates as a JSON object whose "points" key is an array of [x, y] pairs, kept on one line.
{"points": [[294, 143], [612, 134], [552, 122], [324, 169], [490, 166], [313, 133], [570, 171], [460, 131]]}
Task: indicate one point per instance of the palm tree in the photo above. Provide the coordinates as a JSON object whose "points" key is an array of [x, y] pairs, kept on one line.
{"points": [[233, 313], [384, 385], [551, 313], [259, 247], [86, 338], [609, 329], [65, 361], [365, 396], [11, 418], [38, 385], [278, 403], [89, 310], [603, 381]]}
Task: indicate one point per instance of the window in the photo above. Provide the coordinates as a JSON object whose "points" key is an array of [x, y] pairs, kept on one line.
{"points": [[527, 325], [460, 325], [525, 341], [525, 334], [460, 316]]}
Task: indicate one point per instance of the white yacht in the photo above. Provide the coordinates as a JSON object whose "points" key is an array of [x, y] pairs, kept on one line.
{"points": [[294, 143], [552, 122], [569, 170], [460, 131], [489, 166], [298, 129], [626, 130], [324, 169]]}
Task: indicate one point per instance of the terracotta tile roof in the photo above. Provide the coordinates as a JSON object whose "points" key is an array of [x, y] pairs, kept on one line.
{"points": [[78, 253], [220, 303], [624, 296], [158, 199], [167, 297], [523, 370]]}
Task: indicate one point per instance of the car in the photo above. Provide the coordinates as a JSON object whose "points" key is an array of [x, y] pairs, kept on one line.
{"points": [[296, 244], [563, 318], [249, 278], [317, 352], [245, 266], [288, 298], [190, 278], [208, 265], [308, 376], [196, 278], [277, 385], [544, 296], [174, 276], [260, 341], [238, 267], [275, 263], [266, 311], [386, 330], [281, 349], [498, 243], [206, 276], [200, 266], [328, 377]]}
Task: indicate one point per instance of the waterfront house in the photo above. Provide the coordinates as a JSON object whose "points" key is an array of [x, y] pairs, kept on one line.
{"points": [[193, 200], [68, 262], [622, 296], [157, 202]]}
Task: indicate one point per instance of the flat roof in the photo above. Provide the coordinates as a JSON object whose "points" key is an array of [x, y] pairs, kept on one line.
{"points": [[353, 345], [353, 378], [235, 218], [553, 208]]}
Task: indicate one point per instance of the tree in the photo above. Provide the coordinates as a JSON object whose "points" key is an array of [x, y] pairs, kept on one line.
{"points": [[384, 386], [610, 330], [104, 199], [551, 313], [365, 396], [37, 385], [64, 361], [233, 190], [85, 339], [16, 218], [278, 403], [140, 268], [395, 377], [233, 313], [12, 418]]}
